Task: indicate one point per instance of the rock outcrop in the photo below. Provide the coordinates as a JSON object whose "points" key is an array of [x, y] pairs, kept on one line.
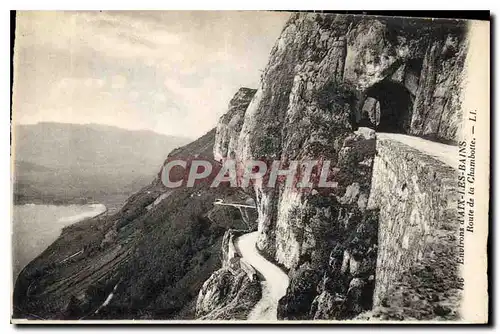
{"points": [[155, 254], [232, 291], [227, 295]]}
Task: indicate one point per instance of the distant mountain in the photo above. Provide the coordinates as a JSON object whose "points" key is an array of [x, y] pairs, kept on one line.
{"points": [[79, 162]]}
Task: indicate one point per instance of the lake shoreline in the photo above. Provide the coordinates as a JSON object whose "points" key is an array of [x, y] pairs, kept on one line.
{"points": [[37, 226]]}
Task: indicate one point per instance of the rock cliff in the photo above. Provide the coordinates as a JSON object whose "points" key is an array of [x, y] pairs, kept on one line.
{"points": [[229, 125], [332, 82]]}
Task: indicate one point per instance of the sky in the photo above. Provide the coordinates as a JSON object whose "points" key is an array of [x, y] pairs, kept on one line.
{"points": [[169, 72]]}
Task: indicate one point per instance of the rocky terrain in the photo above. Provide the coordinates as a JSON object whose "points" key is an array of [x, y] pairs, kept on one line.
{"points": [[232, 291], [332, 82]]}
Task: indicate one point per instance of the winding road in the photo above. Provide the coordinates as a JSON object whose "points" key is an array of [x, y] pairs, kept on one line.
{"points": [[275, 280]]}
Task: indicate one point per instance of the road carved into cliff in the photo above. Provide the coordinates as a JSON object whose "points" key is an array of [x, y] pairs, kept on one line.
{"points": [[444, 153], [275, 280]]}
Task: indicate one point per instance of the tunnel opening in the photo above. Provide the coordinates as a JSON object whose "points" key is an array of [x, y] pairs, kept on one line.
{"points": [[387, 108]]}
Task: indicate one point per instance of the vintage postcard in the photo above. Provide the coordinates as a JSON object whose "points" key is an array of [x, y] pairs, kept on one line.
{"points": [[249, 167]]}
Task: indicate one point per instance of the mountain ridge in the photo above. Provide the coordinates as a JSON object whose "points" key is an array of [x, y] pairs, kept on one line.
{"points": [[85, 163]]}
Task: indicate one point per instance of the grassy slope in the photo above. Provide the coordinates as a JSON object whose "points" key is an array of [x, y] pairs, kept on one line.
{"points": [[73, 163], [158, 258]]}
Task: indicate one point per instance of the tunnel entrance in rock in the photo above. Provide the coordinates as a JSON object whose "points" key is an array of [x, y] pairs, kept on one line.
{"points": [[387, 107]]}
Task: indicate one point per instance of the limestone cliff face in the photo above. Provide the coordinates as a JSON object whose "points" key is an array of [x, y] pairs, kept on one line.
{"points": [[229, 125], [227, 295], [296, 115], [232, 291], [330, 81]]}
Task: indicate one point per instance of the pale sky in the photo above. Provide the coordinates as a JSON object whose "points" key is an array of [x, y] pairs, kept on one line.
{"points": [[170, 72]]}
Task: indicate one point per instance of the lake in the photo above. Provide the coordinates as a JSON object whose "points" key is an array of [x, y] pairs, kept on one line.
{"points": [[36, 226]]}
